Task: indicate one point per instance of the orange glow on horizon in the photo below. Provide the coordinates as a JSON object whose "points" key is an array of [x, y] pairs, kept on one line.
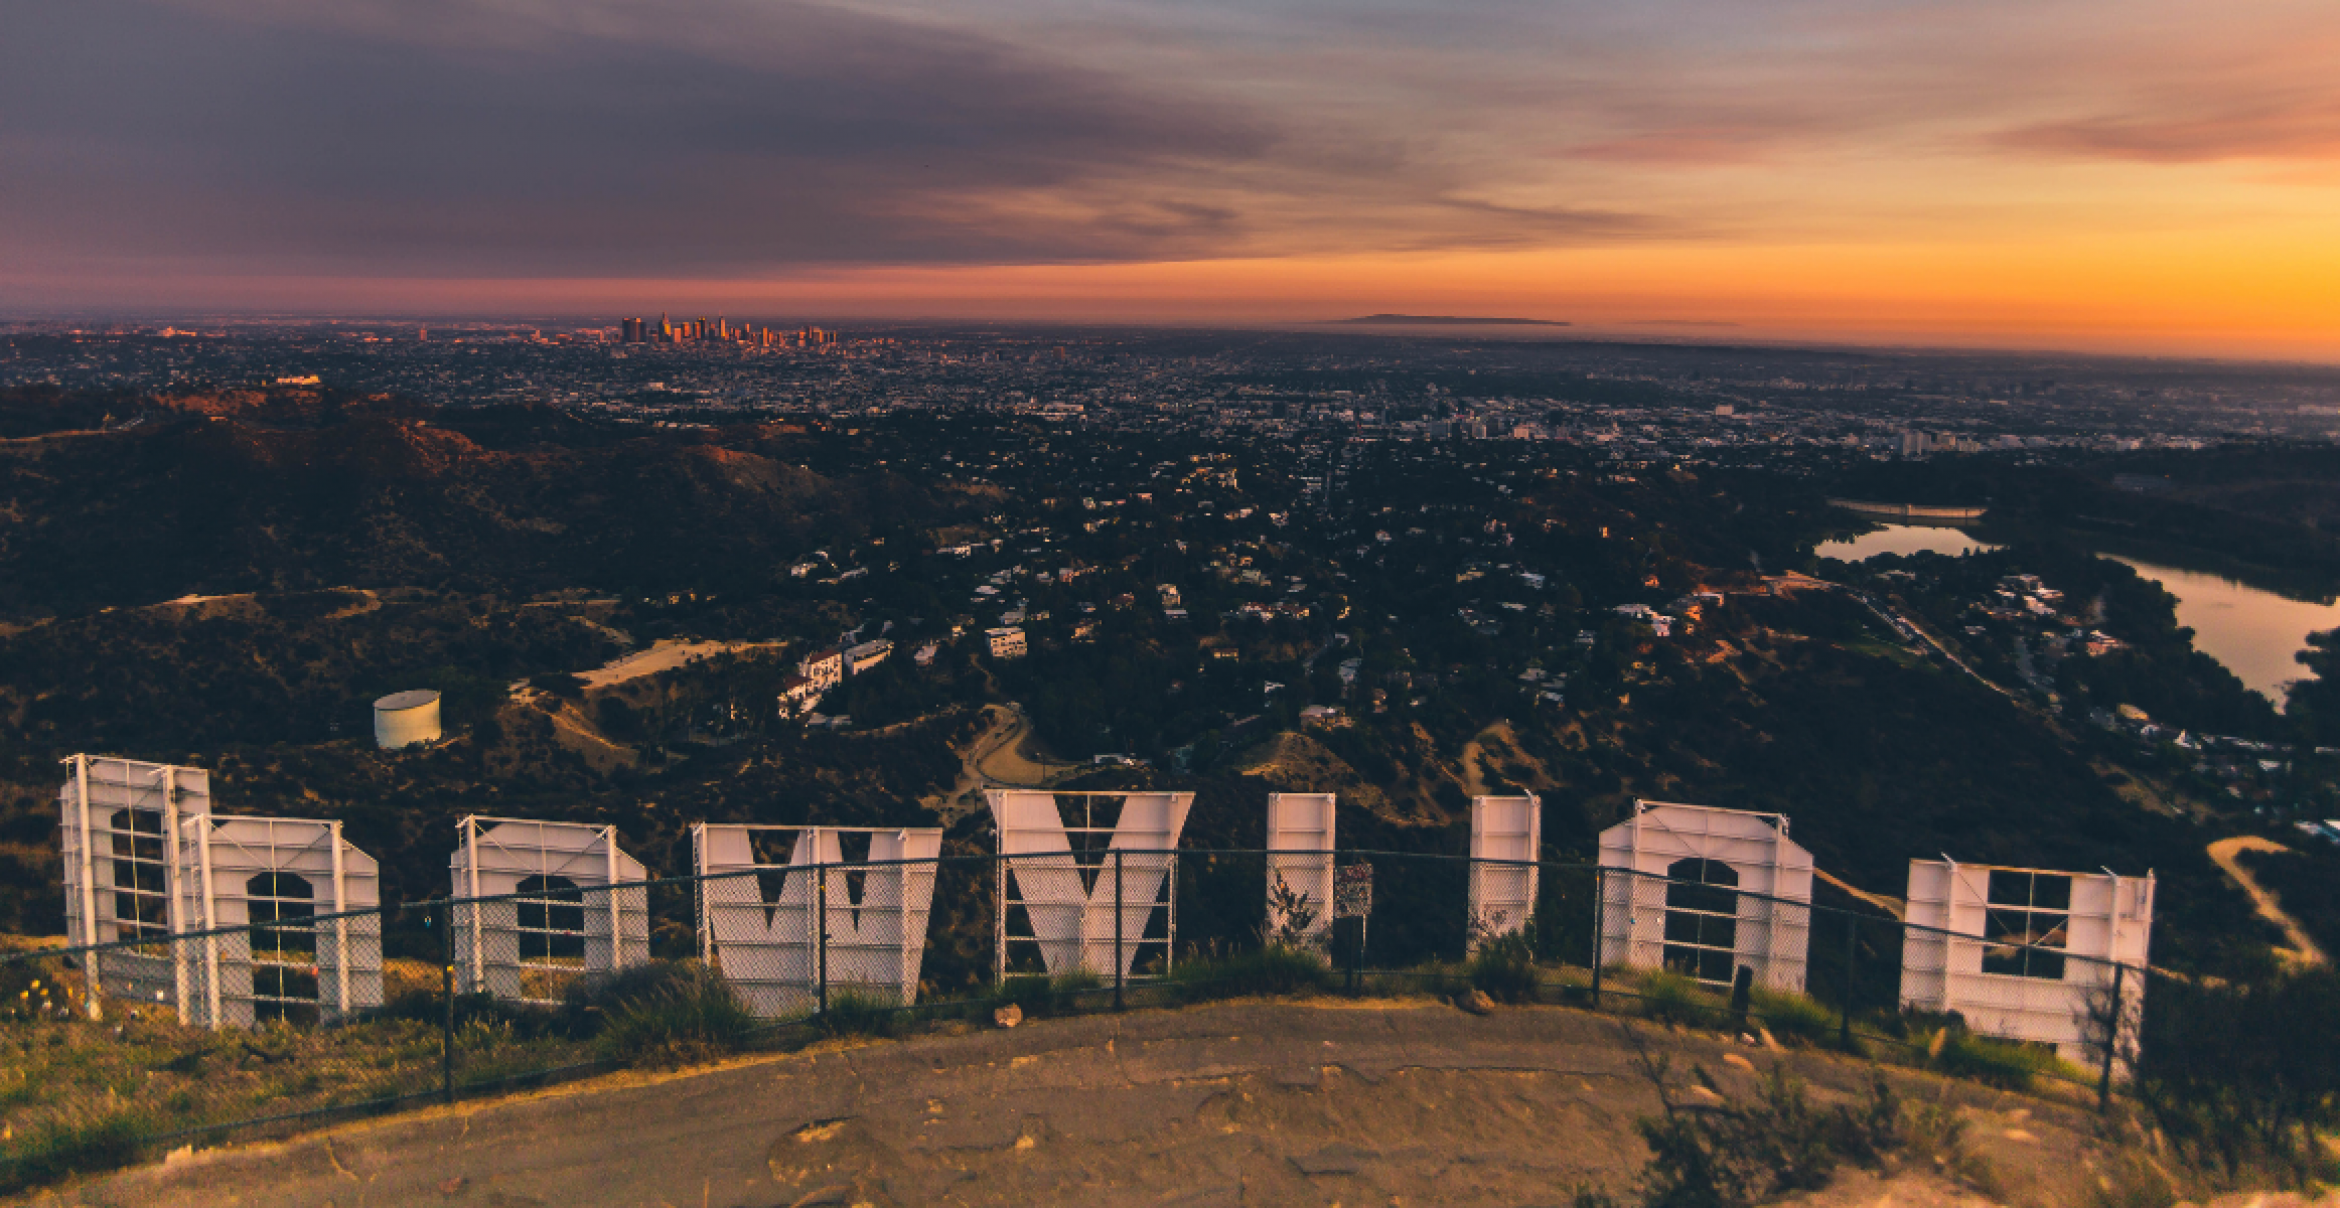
{"points": [[2256, 296]]}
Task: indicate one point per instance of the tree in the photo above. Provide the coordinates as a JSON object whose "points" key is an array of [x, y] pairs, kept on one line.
{"points": [[2314, 704]]}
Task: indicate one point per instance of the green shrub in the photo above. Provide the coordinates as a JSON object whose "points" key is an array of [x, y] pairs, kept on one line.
{"points": [[1746, 1152], [588, 1002], [1934, 1134], [1670, 997], [519, 1019], [1273, 970], [2238, 1072], [689, 1015], [62, 1146], [857, 1013], [1069, 987], [2001, 1063], [1791, 1016], [2130, 1180], [561, 684], [1039, 995], [1504, 969]]}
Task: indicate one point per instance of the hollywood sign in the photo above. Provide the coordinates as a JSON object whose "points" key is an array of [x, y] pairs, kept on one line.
{"points": [[1087, 882]]}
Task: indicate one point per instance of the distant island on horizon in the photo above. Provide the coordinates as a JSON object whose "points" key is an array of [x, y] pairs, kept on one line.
{"points": [[1453, 321]]}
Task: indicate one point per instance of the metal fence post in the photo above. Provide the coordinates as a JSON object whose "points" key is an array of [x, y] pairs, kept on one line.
{"points": [[447, 995], [1599, 937], [821, 931], [1356, 953], [2112, 1039], [1117, 917], [1852, 948]]}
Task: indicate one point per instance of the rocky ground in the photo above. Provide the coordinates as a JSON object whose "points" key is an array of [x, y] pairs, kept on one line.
{"points": [[1315, 1102]]}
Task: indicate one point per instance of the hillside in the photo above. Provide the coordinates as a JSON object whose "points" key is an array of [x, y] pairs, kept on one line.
{"points": [[232, 580], [292, 491]]}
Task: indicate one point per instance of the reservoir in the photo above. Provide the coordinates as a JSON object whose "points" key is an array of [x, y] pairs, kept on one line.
{"points": [[1903, 539], [2253, 632]]}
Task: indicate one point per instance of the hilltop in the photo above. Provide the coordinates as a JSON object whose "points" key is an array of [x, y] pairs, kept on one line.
{"points": [[1316, 1101]]}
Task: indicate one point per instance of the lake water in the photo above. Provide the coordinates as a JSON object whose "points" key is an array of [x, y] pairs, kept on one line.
{"points": [[1904, 539], [2253, 632]]}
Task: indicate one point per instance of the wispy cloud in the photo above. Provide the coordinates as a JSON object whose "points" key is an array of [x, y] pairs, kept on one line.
{"points": [[715, 136], [754, 139], [2308, 130]]}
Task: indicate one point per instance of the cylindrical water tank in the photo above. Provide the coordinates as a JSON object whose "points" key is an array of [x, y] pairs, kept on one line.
{"points": [[404, 718]]}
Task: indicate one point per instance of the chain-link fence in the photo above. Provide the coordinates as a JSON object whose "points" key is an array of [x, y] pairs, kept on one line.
{"points": [[174, 1035]]}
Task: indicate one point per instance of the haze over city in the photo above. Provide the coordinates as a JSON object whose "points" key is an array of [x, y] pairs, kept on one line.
{"points": [[2079, 174]]}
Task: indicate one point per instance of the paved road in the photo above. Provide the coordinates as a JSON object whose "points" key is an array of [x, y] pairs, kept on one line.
{"points": [[1405, 1103]]}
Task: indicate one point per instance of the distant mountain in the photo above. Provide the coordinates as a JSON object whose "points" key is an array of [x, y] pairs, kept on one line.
{"points": [[1450, 321]]}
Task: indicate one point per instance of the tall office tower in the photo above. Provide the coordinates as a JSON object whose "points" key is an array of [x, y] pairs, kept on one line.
{"points": [[665, 329], [722, 328], [630, 331]]}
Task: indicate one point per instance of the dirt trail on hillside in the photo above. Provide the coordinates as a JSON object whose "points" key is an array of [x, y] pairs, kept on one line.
{"points": [[1241, 1103], [665, 654], [1009, 759], [1474, 778], [1893, 906], [996, 758], [2226, 855]]}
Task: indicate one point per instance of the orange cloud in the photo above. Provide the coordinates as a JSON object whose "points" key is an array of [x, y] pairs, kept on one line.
{"points": [[2308, 131], [2133, 174]]}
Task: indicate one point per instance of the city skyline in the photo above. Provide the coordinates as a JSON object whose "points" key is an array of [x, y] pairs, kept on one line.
{"points": [[2072, 175]]}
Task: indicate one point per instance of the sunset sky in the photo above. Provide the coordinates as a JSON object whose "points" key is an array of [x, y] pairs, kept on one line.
{"points": [[2135, 175]]}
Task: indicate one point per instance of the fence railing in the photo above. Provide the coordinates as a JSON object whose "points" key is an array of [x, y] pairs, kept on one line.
{"points": [[172, 1036]]}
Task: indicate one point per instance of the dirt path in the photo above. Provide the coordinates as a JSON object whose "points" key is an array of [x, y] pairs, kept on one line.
{"points": [[368, 601], [666, 654], [965, 794], [1473, 762], [1240, 1103], [2224, 853], [1893, 906], [1473, 773], [1009, 761], [995, 759]]}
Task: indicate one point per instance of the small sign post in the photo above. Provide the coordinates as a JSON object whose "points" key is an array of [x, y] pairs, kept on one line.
{"points": [[1353, 899]]}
